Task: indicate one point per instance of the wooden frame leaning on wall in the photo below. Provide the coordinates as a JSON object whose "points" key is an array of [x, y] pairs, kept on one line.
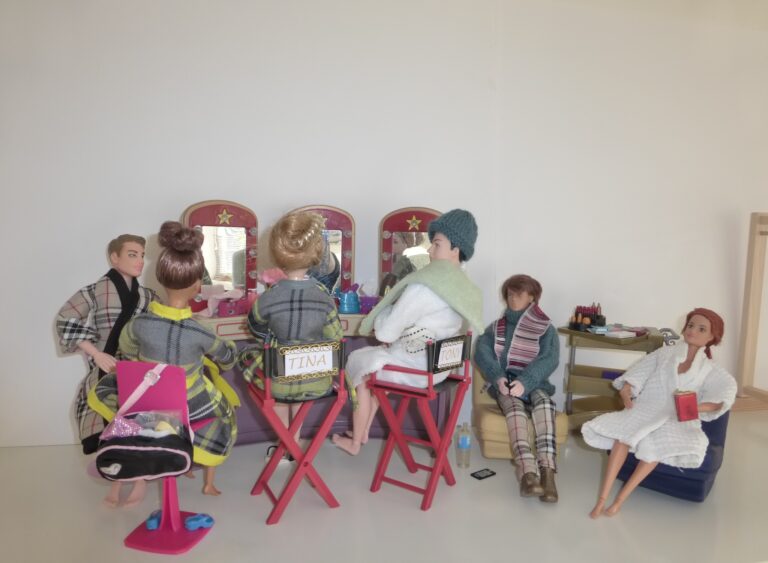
{"points": [[753, 294]]}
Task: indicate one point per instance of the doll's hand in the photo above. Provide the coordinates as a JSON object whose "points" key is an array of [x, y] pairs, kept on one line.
{"points": [[501, 385], [516, 389], [105, 362], [626, 395]]}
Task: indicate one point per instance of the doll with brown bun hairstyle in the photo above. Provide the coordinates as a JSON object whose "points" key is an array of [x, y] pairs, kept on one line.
{"points": [[167, 334], [648, 425], [297, 309]]}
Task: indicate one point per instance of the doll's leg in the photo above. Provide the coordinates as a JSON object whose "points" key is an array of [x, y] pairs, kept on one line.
{"points": [[113, 497], [208, 488], [360, 421], [285, 412], [525, 464], [137, 493], [294, 411], [517, 426], [371, 416], [543, 418], [641, 472], [615, 460]]}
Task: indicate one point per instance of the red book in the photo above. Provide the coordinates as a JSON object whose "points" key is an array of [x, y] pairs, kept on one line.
{"points": [[686, 405]]}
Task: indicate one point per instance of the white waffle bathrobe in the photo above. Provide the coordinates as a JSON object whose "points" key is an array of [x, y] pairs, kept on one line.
{"points": [[418, 315], [650, 427]]}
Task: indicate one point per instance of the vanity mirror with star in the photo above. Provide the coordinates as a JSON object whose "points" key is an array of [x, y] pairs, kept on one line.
{"points": [[404, 244], [230, 251]]}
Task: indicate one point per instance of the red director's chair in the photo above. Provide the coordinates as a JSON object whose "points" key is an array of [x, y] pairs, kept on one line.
{"points": [[288, 363], [443, 355]]}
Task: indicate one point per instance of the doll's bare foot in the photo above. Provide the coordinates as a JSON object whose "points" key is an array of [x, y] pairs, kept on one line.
{"points": [[613, 509], [113, 497], [210, 489], [137, 494], [346, 444], [364, 440], [189, 474], [598, 510]]}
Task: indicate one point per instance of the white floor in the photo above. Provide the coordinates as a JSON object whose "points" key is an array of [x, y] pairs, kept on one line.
{"points": [[51, 511]]}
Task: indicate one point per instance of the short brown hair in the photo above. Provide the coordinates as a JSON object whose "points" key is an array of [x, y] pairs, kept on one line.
{"points": [[116, 244], [521, 282], [296, 241], [181, 263]]}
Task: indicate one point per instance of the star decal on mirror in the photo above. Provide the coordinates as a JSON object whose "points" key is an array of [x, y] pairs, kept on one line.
{"points": [[413, 223], [225, 217]]}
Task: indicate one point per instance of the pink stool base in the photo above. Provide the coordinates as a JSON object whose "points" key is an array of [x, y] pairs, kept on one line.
{"points": [[165, 540]]}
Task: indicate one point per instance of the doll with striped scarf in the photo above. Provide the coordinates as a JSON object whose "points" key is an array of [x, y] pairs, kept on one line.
{"points": [[517, 354]]}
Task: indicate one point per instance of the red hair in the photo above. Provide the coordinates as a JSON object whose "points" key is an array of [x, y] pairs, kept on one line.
{"points": [[717, 326]]}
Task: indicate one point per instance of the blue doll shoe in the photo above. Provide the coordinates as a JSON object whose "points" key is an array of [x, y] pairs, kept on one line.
{"points": [[153, 522], [197, 521]]}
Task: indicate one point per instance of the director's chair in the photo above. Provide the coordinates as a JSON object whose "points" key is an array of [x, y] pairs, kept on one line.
{"points": [[286, 364], [443, 355]]}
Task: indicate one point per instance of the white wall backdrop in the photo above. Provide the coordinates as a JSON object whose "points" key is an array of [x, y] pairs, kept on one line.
{"points": [[613, 150]]}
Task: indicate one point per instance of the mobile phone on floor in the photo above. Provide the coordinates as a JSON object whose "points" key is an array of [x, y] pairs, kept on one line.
{"points": [[483, 474]]}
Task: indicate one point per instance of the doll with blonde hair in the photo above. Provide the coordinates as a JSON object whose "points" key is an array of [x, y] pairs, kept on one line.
{"points": [[296, 309], [167, 334]]}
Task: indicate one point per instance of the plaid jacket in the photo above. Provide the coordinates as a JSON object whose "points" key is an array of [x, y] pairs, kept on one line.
{"points": [[170, 336]]}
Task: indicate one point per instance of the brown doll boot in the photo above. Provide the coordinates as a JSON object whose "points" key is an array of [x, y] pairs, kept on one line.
{"points": [[548, 485], [529, 486]]}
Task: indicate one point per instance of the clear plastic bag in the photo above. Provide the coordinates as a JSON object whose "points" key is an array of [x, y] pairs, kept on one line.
{"points": [[154, 424]]}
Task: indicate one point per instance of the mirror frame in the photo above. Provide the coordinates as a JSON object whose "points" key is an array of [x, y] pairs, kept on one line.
{"points": [[338, 219], [219, 213], [401, 220]]}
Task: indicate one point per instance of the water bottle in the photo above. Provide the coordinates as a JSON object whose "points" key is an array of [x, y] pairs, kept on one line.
{"points": [[463, 445]]}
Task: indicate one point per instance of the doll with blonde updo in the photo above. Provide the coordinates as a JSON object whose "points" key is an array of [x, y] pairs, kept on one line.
{"points": [[297, 309]]}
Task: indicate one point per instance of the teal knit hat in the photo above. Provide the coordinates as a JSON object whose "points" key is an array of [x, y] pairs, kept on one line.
{"points": [[459, 227]]}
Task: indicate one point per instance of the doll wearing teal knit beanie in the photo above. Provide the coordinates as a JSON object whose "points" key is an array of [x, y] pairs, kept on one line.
{"points": [[432, 303]]}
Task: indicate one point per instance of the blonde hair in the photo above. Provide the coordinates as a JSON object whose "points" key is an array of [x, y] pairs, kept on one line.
{"points": [[115, 246], [296, 241], [181, 263]]}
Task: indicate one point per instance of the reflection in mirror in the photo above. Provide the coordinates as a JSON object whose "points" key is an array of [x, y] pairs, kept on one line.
{"points": [[409, 252], [229, 248], [328, 271], [404, 244], [336, 268], [224, 255]]}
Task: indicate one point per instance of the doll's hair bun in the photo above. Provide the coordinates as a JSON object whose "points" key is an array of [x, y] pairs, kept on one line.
{"points": [[180, 264], [296, 240], [174, 235]]}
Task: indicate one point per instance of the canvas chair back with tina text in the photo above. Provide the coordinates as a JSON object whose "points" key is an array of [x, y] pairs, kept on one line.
{"points": [[286, 365], [444, 355]]}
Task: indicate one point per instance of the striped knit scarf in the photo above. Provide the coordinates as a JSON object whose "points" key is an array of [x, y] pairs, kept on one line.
{"points": [[525, 339]]}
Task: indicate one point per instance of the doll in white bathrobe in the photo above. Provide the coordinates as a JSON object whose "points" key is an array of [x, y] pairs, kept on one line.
{"points": [[430, 304], [648, 425]]}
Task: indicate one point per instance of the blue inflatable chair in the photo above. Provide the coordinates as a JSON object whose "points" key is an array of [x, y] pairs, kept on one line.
{"points": [[687, 484]]}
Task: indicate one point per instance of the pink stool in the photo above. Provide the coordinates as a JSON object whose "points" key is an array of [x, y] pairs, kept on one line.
{"points": [[168, 394]]}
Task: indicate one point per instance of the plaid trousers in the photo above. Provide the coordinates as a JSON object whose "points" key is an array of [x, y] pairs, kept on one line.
{"points": [[542, 413]]}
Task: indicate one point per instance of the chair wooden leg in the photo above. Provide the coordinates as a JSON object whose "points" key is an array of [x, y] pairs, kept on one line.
{"points": [[395, 438], [304, 459]]}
